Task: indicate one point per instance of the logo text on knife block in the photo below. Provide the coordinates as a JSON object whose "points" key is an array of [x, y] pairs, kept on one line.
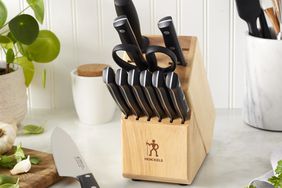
{"points": [[152, 152]]}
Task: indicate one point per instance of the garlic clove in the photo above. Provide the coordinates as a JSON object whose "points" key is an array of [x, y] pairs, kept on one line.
{"points": [[22, 167]]}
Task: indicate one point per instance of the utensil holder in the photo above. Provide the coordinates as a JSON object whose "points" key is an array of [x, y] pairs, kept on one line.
{"points": [[263, 88], [172, 152]]}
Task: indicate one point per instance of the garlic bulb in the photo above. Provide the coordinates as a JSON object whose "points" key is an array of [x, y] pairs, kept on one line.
{"points": [[8, 133], [21, 167]]}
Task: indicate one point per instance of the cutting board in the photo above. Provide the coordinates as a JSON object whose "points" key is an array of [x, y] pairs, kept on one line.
{"points": [[40, 176]]}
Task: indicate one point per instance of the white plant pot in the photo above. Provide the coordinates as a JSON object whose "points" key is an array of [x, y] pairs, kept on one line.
{"points": [[92, 100], [13, 96], [263, 79]]}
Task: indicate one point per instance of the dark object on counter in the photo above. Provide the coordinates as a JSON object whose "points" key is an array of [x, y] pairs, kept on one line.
{"points": [[125, 89], [177, 95], [109, 80], [167, 28], [146, 83], [68, 160], [127, 8], [264, 27], [134, 82], [158, 81]]}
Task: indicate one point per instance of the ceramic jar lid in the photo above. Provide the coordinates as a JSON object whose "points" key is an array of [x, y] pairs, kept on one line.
{"points": [[91, 70]]}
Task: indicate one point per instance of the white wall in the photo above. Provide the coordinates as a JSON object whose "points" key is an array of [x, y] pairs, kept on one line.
{"points": [[87, 36]]}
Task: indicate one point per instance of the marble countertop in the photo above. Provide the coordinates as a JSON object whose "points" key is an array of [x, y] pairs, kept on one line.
{"points": [[239, 152]]}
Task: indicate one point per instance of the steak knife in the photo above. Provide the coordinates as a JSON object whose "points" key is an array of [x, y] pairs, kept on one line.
{"points": [[167, 28], [68, 160], [125, 88], [109, 80], [150, 93], [134, 82], [158, 81], [177, 95]]}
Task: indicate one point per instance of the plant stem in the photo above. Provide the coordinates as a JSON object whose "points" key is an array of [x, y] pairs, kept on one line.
{"points": [[7, 68]]}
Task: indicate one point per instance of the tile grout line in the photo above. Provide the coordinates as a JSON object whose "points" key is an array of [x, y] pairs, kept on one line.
{"points": [[179, 16], [75, 30], [153, 16], [231, 56], [100, 26], [206, 37]]}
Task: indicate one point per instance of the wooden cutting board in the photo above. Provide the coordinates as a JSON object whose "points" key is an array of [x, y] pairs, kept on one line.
{"points": [[42, 175]]}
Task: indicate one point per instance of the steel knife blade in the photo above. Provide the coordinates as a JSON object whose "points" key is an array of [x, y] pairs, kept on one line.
{"points": [[69, 161]]}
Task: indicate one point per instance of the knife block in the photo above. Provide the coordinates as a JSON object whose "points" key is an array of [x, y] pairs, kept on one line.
{"points": [[172, 152]]}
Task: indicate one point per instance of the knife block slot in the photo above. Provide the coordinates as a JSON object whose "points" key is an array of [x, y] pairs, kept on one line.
{"points": [[172, 152]]}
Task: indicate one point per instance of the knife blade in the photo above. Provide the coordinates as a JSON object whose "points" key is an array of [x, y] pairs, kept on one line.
{"points": [[177, 95], [109, 80], [125, 88], [127, 8], [150, 93], [158, 81], [69, 161], [134, 82], [167, 28]]}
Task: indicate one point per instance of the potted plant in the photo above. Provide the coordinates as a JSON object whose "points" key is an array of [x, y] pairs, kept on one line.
{"points": [[22, 44]]}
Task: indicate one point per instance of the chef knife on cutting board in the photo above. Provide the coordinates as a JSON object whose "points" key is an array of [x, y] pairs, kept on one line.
{"points": [[69, 161], [127, 8]]}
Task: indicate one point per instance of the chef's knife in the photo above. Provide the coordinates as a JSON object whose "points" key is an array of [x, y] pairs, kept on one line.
{"points": [[264, 26], [170, 38], [125, 88], [109, 80], [146, 83], [122, 25], [158, 81], [68, 160], [177, 95], [134, 82], [127, 8]]}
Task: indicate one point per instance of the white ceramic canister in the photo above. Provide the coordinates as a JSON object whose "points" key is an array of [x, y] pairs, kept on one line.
{"points": [[263, 80], [92, 100]]}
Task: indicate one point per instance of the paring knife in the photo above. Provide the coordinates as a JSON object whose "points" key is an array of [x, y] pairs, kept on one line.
{"points": [[68, 160], [134, 82], [109, 80], [177, 95], [167, 28], [146, 83], [158, 81], [127, 8], [127, 36], [125, 88]]}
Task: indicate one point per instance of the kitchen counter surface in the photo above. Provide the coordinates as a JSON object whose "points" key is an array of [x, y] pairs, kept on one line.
{"points": [[239, 152]]}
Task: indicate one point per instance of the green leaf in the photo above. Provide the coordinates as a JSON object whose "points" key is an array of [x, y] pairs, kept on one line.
{"points": [[8, 161], [35, 160], [4, 39], [10, 56], [8, 179], [38, 9], [45, 48], [279, 167], [28, 69], [10, 185], [11, 37], [44, 73], [33, 129], [24, 28], [3, 13], [19, 154]]}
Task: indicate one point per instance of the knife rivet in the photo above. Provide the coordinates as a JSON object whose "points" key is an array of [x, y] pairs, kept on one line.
{"points": [[87, 176]]}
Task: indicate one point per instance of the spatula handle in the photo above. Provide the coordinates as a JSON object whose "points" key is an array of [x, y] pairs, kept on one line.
{"points": [[88, 181]]}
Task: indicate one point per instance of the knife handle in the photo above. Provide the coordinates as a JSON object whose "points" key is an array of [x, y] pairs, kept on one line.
{"points": [[264, 27], [167, 28], [127, 8], [87, 181]]}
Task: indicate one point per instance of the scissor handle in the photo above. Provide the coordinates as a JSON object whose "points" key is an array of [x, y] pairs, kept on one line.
{"points": [[133, 51], [153, 62]]}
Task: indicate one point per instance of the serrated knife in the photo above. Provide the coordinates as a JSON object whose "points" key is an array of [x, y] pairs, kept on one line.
{"points": [[68, 160]]}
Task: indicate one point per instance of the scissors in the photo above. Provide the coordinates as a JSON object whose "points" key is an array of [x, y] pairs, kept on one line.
{"points": [[151, 62]]}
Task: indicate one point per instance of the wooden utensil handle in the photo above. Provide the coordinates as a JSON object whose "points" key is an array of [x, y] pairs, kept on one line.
{"points": [[273, 19]]}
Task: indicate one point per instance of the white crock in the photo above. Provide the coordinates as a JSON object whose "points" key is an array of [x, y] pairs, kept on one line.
{"points": [[13, 96]]}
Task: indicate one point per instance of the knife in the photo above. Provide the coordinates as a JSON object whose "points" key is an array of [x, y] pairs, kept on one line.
{"points": [[150, 93], [122, 25], [158, 81], [134, 82], [167, 28], [177, 95], [109, 80], [68, 160], [264, 26], [121, 81], [127, 8]]}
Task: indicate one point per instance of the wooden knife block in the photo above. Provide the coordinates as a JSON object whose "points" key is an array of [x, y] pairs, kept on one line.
{"points": [[181, 148]]}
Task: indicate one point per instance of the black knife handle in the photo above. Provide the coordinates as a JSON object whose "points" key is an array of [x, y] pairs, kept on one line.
{"points": [[264, 27], [127, 8], [87, 181], [167, 28], [177, 95]]}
